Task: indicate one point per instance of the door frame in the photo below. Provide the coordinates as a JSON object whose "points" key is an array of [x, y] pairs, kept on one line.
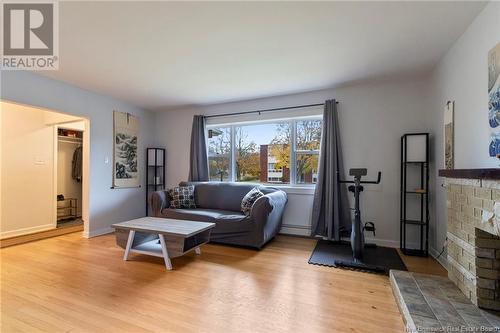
{"points": [[85, 171]]}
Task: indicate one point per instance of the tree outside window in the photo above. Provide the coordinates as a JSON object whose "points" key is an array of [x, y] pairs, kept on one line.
{"points": [[307, 150], [219, 153]]}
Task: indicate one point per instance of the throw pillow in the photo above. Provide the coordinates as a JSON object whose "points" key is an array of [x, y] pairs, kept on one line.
{"points": [[182, 197], [249, 199]]}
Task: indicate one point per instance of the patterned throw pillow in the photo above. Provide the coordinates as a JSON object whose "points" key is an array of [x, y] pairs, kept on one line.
{"points": [[249, 199], [182, 197]]}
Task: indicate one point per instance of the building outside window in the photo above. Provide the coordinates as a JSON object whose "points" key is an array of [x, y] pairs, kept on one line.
{"points": [[277, 171], [280, 152]]}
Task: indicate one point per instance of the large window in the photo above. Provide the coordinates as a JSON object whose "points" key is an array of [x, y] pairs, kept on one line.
{"points": [[281, 152]]}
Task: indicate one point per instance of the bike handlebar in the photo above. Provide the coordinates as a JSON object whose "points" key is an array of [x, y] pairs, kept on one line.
{"points": [[364, 182]]}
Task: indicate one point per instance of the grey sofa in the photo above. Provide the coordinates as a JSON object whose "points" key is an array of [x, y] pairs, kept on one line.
{"points": [[220, 203]]}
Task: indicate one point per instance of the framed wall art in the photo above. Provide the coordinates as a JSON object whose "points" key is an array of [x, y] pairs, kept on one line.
{"points": [[494, 100], [125, 150], [449, 136]]}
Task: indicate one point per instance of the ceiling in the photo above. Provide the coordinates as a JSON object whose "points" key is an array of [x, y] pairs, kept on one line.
{"points": [[163, 55]]}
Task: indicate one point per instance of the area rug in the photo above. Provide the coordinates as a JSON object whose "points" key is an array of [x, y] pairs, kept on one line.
{"points": [[327, 253]]}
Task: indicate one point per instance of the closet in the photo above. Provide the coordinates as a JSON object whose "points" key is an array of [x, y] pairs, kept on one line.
{"points": [[69, 176]]}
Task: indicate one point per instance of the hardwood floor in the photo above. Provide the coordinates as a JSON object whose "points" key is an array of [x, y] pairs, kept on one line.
{"points": [[69, 283], [427, 265]]}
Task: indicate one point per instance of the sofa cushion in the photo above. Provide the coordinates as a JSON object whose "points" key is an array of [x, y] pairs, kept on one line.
{"points": [[231, 218], [228, 226], [203, 215], [249, 199], [182, 197]]}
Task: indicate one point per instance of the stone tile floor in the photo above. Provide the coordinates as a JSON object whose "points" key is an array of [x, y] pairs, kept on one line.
{"points": [[434, 304]]}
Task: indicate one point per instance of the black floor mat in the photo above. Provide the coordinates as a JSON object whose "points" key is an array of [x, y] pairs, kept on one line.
{"points": [[328, 253]]}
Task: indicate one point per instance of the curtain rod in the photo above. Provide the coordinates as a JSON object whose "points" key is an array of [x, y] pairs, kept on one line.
{"points": [[266, 110]]}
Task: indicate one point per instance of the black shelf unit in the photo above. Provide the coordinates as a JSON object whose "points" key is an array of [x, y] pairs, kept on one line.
{"points": [[418, 169], [155, 172]]}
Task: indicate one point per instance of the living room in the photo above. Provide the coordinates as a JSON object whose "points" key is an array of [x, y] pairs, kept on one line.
{"points": [[250, 166]]}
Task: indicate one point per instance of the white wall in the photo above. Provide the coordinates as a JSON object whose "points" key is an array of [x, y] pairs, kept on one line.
{"points": [[53, 118], [27, 169], [462, 76], [106, 205], [1, 159], [373, 116]]}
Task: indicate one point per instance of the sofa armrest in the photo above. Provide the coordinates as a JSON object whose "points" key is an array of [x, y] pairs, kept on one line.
{"points": [[267, 212], [261, 209], [159, 201]]}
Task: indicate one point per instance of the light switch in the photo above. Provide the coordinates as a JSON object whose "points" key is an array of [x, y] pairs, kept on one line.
{"points": [[106, 160]]}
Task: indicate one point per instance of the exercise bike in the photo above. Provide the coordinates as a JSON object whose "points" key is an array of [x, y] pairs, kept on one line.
{"points": [[358, 245]]}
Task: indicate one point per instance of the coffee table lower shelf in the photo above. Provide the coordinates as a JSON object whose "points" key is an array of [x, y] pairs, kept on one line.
{"points": [[156, 247]]}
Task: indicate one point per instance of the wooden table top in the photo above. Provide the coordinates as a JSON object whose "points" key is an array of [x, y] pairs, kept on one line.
{"points": [[182, 228]]}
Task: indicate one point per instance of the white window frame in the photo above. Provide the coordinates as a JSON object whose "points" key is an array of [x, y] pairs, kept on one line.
{"points": [[293, 146]]}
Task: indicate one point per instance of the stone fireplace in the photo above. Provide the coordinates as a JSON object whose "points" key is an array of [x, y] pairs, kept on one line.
{"points": [[463, 301], [473, 235]]}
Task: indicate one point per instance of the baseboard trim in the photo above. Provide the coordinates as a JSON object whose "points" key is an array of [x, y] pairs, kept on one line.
{"points": [[441, 260], [16, 240], [288, 229], [26, 231], [385, 242], [295, 231], [98, 232]]}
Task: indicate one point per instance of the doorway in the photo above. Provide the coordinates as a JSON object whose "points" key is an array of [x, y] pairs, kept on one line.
{"points": [[29, 164], [69, 174]]}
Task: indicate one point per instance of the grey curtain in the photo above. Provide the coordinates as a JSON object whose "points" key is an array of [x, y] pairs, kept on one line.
{"points": [[198, 164], [330, 205]]}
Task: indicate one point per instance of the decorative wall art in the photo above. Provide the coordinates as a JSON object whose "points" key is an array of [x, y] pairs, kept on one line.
{"points": [[494, 100], [449, 160], [125, 143]]}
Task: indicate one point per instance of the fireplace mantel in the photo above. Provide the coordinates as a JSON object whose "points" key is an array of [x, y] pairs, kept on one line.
{"points": [[492, 173]]}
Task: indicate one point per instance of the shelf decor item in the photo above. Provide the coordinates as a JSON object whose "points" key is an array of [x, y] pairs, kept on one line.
{"points": [[414, 204], [125, 143], [155, 172]]}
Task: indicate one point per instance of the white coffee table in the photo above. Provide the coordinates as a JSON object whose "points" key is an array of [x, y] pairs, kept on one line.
{"points": [[159, 237]]}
